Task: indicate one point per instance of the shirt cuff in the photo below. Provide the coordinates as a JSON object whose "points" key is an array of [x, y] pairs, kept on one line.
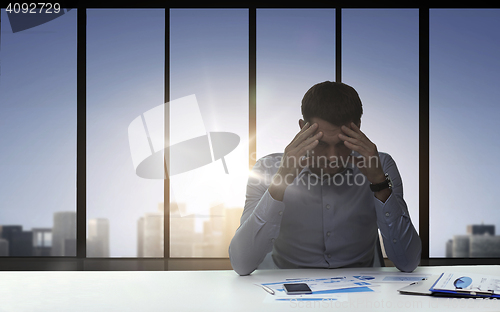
{"points": [[269, 209], [389, 211]]}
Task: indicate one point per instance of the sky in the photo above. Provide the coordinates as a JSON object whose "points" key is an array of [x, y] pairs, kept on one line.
{"points": [[38, 122], [209, 58], [464, 111], [380, 60]]}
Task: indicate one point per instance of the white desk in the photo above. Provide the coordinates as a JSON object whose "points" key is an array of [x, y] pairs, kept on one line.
{"points": [[209, 291]]}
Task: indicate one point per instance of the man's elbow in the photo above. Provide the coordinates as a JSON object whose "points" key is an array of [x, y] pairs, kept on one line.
{"points": [[238, 265], [409, 267], [242, 271], [412, 261]]}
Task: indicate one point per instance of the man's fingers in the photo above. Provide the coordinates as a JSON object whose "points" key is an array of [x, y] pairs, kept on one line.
{"points": [[354, 137], [349, 139], [304, 135], [353, 133], [311, 138], [302, 151], [352, 142], [306, 125], [354, 147], [299, 156], [360, 148], [309, 131], [304, 161]]}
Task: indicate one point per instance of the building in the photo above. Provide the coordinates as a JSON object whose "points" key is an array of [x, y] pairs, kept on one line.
{"points": [[70, 247], [42, 241], [460, 246], [484, 246], [98, 238], [153, 235], [150, 235], [64, 234], [140, 237], [449, 248], [20, 242], [218, 230], [184, 240], [213, 233], [4, 247], [8, 231], [480, 242], [481, 229]]}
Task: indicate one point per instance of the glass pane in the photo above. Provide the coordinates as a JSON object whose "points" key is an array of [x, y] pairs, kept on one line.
{"points": [[208, 125], [464, 93], [295, 50], [380, 60], [38, 133], [125, 80]]}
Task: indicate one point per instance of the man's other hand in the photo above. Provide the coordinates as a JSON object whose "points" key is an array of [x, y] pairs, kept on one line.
{"points": [[294, 159]]}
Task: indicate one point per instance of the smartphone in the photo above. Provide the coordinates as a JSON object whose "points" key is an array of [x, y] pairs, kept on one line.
{"points": [[297, 289]]}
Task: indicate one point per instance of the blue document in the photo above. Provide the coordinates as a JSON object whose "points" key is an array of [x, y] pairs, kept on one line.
{"points": [[467, 285]]}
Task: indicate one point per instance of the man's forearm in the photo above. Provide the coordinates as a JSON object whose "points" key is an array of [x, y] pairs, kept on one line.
{"points": [[277, 189], [255, 238], [279, 183], [401, 241], [246, 251], [383, 195]]}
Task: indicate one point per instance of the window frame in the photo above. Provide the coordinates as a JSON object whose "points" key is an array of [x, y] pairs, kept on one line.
{"points": [[81, 262]]}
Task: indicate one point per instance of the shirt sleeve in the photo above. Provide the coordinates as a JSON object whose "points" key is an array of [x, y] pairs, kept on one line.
{"points": [[260, 221], [401, 242]]}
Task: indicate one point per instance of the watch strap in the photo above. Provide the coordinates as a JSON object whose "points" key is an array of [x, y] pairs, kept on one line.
{"points": [[383, 185]]}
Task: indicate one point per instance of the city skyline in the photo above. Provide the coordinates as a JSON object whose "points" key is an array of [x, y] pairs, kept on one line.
{"points": [[187, 239], [212, 241]]}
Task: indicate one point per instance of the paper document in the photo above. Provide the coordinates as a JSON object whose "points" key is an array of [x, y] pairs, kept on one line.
{"points": [[320, 286], [468, 284], [391, 277]]}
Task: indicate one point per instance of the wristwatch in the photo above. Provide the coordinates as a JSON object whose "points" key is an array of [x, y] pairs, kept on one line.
{"points": [[382, 186]]}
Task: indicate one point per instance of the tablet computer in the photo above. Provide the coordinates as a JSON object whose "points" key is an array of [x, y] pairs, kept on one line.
{"points": [[421, 287]]}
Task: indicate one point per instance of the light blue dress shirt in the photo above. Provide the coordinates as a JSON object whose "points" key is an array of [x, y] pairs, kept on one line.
{"points": [[323, 222]]}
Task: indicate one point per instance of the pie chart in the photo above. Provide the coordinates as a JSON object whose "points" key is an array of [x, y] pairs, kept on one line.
{"points": [[462, 282]]}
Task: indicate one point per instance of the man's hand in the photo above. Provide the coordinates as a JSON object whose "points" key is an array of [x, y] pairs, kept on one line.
{"points": [[293, 160], [369, 162]]}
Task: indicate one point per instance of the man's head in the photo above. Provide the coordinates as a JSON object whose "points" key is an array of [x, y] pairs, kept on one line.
{"points": [[334, 102], [330, 105]]}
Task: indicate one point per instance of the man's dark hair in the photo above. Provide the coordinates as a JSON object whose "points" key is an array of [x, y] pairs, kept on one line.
{"points": [[334, 102]]}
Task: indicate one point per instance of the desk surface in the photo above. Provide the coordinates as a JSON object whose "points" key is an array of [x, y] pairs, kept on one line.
{"points": [[209, 291]]}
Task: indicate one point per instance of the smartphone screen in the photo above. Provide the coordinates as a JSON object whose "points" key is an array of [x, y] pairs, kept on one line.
{"points": [[297, 288]]}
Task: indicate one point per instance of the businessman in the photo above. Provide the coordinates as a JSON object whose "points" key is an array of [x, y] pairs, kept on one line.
{"points": [[320, 202]]}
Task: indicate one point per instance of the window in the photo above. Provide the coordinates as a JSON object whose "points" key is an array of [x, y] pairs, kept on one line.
{"points": [[288, 67], [38, 135], [464, 67], [208, 102], [380, 60], [125, 62], [208, 72]]}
